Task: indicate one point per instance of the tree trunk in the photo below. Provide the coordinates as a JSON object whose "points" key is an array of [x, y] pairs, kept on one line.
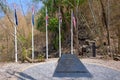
{"points": [[76, 41], [104, 20], [118, 40]]}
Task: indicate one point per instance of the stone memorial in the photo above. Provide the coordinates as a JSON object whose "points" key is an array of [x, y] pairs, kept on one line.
{"points": [[69, 63]]}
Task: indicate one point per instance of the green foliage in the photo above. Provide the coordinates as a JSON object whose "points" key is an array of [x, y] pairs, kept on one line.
{"points": [[41, 20], [25, 43], [56, 42], [24, 54], [79, 2], [3, 47], [22, 39], [53, 25], [41, 57], [52, 9], [52, 6]]}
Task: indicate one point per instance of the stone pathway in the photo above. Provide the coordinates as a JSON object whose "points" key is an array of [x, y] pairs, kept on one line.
{"points": [[46, 71]]}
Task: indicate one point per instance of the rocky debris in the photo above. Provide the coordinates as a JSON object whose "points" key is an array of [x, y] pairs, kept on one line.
{"points": [[116, 57]]}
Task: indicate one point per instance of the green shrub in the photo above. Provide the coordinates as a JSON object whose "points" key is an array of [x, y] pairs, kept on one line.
{"points": [[41, 57]]}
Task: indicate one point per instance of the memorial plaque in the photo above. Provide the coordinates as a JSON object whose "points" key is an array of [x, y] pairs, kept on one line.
{"points": [[69, 63]]}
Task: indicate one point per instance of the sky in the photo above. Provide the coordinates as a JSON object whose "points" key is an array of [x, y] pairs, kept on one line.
{"points": [[25, 4]]}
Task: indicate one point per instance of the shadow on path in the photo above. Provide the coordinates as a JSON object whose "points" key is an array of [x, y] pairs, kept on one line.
{"points": [[19, 75], [24, 76]]}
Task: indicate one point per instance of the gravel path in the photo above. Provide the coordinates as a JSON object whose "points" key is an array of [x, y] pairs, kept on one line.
{"points": [[11, 71], [46, 71]]}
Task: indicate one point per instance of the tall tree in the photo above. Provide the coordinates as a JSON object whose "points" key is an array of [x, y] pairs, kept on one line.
{"points": [[105, 19]]}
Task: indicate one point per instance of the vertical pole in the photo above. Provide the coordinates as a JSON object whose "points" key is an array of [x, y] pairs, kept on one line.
{"points": [[16, 23], [32, 21], [32, 42], [16, 55], [46, 35], [71, 31], [59, 34]]}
